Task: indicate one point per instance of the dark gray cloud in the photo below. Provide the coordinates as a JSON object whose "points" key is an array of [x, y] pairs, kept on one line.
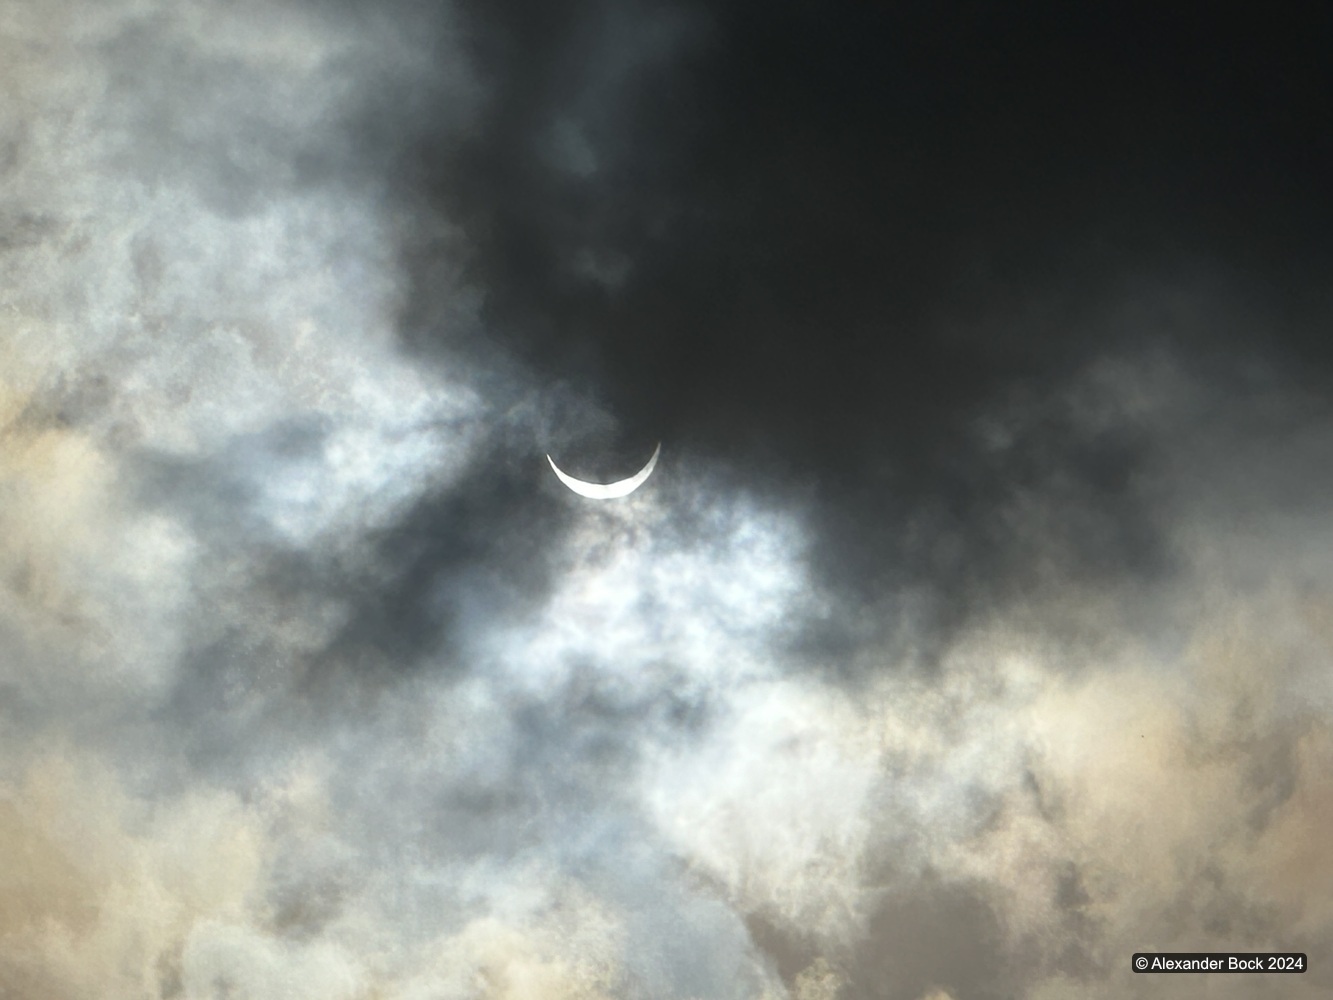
{"points": [[841, 242]]}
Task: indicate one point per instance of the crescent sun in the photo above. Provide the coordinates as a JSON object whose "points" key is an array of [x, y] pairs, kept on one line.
{"points": [[607, 491]]}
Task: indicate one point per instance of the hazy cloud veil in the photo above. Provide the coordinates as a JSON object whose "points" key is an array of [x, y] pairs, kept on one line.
{"points": [[973, 632]]}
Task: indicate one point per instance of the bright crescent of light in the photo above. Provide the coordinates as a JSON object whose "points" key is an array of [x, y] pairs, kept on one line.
{"points": [[609, 491]]}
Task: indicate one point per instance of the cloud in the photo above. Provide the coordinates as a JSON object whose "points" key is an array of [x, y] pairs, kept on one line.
{"points": [[964, 667], [105, 891]]}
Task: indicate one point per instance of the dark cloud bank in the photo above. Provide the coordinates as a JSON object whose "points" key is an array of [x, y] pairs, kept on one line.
{"points": [[973, 633]]}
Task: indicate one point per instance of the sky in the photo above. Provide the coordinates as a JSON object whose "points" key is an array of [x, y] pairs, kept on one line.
{"points": [[972, 633]]}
